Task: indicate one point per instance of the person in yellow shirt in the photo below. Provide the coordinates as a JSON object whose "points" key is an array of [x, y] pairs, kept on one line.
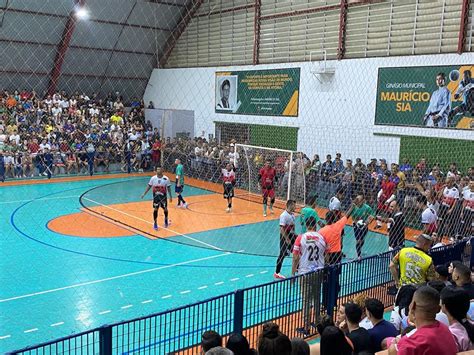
{"points": [[116, 119], [412, 265]]}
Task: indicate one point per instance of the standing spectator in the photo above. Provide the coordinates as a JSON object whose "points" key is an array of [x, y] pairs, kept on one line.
{"points": [[406, 168], [412, 265], [48, 161], [385, 196], [2, 166], [467, 214], [429, 218], [271, 341], [336, 201], [431, 336], [308, 256], [90, 156], [395, 225], [455, 304], [449, 197], [359, 336], [381, 328], [326, 174], [156, 153], [210, 339]]}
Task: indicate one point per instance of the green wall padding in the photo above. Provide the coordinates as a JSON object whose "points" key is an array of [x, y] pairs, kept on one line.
{"points": [[438, 150], [274, 136]]}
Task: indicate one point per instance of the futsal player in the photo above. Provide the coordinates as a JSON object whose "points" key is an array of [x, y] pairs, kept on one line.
{"points": [[161, 185], [179, 186], [287, 235], [267, 177], [362, 215], [228, 178], [310, 211], [385, 196]]}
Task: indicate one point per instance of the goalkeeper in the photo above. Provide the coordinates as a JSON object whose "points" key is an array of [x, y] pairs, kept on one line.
{"points": [[362, 215], [267, 178]]}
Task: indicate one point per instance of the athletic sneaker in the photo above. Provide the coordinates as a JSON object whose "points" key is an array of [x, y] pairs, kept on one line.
{"points": [[303, 331], [378, 226], [227, 209], [279, 276], [185, 205], [264, 214], [155, 226], [167, 224]]}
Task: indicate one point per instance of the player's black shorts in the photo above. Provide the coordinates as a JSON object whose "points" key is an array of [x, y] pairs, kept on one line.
{"points": [[159, 200], [178, 189], [228, 190]]}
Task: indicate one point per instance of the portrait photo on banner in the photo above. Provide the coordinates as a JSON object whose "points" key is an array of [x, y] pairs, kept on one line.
{"points": [[226, 92]]}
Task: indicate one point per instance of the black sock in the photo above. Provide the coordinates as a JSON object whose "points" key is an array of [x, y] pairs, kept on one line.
{"points": [[166, 216], [229, 205], [181, 199], [155, 215]]}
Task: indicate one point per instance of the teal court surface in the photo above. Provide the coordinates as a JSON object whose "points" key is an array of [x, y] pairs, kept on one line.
{"points": [[76, 255]]}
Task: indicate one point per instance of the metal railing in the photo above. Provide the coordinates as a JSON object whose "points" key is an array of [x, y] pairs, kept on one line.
{"points": [[178, 331]]}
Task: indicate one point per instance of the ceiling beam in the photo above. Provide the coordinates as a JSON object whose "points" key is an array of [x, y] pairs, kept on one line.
{"points": [[63, 46], [164, 2], [190, 10]]}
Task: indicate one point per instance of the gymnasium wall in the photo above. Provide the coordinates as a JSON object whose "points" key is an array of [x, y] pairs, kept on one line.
{"points": [[336, 115]]}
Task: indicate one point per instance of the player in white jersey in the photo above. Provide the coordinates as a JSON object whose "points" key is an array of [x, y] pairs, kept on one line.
{"points": [[467, 214], [429, 218], [308, 257], [160, 184], [287, 235], [228, 179]]}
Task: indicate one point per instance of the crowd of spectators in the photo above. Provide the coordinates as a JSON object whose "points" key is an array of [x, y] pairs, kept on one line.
{"points": [[73, 134], [428, 318]]}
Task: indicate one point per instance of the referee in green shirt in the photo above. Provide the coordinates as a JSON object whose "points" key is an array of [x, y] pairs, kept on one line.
{"points": [[179, 186], [310, 211], [362, 215]]}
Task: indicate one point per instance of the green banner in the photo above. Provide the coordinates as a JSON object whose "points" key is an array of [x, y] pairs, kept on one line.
{"points": [[434, 96], [258, 92]]}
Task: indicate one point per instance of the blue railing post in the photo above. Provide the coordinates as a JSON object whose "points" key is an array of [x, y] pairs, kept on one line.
{"points": [[238, 311], [333, 285], [105, 340]]}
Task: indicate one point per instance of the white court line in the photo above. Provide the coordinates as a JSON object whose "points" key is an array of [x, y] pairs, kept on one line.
{"points": [[30, 330], [263, 272], [185, 292], [150, 223], [113, 278], [5, 337], [165, 297], [202, 287], [37, 199], [219, 283], [235, 279], [127, 306], [56, 324], [249, 275], [105, 312], [147, 301]]}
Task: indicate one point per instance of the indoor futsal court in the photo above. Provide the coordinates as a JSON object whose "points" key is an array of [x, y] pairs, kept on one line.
{"points": [[81, 253]]}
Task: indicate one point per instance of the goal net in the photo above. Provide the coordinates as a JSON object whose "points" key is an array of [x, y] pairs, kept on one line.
{"points": [[289, 167]]}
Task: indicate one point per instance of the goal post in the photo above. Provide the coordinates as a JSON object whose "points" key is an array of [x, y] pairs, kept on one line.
{"points": [[249, 159]]}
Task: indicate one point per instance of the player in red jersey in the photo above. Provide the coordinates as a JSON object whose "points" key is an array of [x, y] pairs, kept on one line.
{"points": [[267, 177], [385, 196], [228, 179]]}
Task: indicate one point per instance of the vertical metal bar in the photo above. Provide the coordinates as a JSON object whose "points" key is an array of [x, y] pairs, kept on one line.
{"points": [[105, 340], [441, 27], [462, 27], [341, 48], [414, 28], [256, 32]]}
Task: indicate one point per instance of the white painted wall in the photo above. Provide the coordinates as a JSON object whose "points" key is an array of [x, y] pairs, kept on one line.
{"points": [[336, 116]]}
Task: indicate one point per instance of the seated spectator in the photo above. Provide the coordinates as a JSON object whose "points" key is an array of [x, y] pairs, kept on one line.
{"points": [[239, 345], [455, 304], [399, 315], [442, 274], [271, 341], [359, 336], [210, 339], [431, 336], [382, 329], [219, 350], [360, 301], [462, 279], [299, 347], [334, 342]]}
